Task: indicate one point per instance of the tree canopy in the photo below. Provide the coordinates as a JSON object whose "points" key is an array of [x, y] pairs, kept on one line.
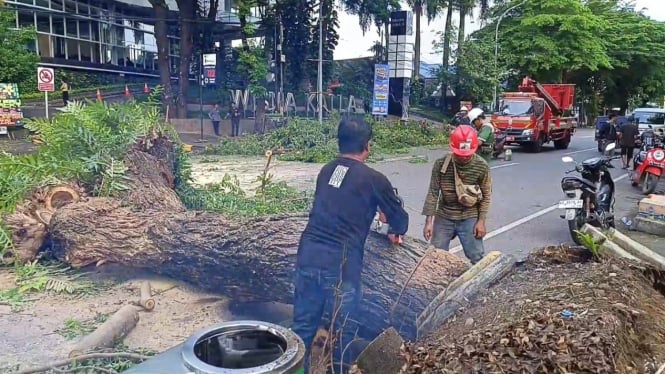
{"points": [[610, 50], [23, 68]]}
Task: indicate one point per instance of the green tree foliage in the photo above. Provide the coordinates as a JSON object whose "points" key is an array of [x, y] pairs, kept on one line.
{"points": [[330, 40], [612, 52], [297, 19], [17, 63]]}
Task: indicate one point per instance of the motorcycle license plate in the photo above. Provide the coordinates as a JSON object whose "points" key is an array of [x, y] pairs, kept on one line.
{"points": [[571, 204], [510, 138], [3, 130], [570, 214]]}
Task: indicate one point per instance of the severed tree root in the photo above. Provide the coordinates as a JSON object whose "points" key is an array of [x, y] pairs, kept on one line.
{"points": [[90, 356], [108, 333]]}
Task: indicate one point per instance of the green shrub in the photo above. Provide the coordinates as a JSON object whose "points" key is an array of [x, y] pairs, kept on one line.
{"points": [[307, 141]]}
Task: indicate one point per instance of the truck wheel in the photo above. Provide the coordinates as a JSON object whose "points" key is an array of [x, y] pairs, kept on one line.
{"points": [[536, 146], [562, 143]]}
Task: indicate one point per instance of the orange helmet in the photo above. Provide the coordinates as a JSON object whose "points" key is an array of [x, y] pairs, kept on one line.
{"points": [[464, 141]]}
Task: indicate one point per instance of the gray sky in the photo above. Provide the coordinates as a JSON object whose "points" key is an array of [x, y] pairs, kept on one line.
{"points": [[353, 44]]}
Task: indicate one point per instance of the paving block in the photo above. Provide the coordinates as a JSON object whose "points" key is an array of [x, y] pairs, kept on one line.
{"points": [[650, 226]]}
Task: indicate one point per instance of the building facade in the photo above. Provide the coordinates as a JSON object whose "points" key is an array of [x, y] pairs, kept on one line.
{"points": [[95, 35]]}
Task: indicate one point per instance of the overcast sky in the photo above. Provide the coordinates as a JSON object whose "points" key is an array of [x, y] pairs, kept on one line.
{"points": [[353, 44]]}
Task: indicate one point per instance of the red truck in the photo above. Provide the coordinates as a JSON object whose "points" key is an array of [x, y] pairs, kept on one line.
{"points": [[537, 114]]}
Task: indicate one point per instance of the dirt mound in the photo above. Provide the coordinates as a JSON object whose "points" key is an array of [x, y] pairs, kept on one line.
{"points": [[559, 312]]}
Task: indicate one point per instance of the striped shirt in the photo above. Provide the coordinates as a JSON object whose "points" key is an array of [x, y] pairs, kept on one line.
{"points": [[476, 172]]}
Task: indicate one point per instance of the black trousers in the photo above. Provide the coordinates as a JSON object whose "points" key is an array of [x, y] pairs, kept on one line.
{"points": [[215, 126], [65, 97], [628, 152], [235, 127]]}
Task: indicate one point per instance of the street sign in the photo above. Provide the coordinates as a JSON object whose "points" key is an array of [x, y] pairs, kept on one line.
{"points": [[45, 79]]}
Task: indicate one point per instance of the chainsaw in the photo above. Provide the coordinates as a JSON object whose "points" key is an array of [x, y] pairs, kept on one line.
{"points": [[380, 224]]}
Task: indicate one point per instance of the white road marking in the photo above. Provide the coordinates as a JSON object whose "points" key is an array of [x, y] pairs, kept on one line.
{"points": [[585, 137], [504, 166], [580, 151], [523, 220]]}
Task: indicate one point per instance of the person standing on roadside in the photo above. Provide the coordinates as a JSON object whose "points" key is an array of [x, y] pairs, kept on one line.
{"points": [[459, 195], [627, 135], [235, 119], [485, 133], [611, 134], [330, 252], [216, 117], [64, 88]]}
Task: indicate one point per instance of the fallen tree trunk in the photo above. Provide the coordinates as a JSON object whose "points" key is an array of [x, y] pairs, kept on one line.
{"points": [[250, 260], [147, 226]]}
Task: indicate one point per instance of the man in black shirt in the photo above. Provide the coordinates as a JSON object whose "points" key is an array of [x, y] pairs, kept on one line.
{"points": [[627, 136], [612, 131], [330, 253]]}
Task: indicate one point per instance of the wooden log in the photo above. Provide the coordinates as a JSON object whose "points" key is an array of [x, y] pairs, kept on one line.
{"points": [[145, 299], [447, 306], [248, 260], [108, 333], [605, 244], [382, 355], [638, 250]]}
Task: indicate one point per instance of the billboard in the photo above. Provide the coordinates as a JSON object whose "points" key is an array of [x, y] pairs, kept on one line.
{"points": [[10, 106], [381, 90], [209, 67]]}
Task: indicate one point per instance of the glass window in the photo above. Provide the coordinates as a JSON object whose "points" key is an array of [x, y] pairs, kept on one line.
{"points": [[95, 53], [119, 36], [26, 19], [106, 54], [26, 1], [59, 47], [70, 7], [72, 49], [72, 27], [94, 28], [42, 3], [83, 9], [43, 23], [44, 45], [57, 4], [58, 23], [84, 29], [87, 51], [150, 60]]}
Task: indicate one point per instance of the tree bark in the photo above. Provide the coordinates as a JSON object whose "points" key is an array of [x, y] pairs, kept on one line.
{"points": [[461, 31], [418, 10], [161, 12], [447, 33], [147, 226], [187, 11]]}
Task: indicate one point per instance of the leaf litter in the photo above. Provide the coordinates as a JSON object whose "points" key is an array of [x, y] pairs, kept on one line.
{"points": [[559, 312]]}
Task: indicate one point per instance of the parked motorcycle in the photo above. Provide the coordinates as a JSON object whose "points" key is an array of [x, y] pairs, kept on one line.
{"points": [[499, 142], [591, 197], [649, 165]]}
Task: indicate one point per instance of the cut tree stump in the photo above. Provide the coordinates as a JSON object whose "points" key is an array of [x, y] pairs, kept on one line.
{"points": [[447, 305], [109, 332], [147, 226], [382, 355], [145, 298]]}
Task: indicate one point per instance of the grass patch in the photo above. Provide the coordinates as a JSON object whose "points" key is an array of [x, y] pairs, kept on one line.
{"points": [[307, 141], [35, 277], [74, 328]]}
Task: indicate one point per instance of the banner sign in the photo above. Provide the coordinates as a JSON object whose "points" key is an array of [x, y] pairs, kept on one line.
{"points": [[381, 89], [209, 68], [10, 106]]}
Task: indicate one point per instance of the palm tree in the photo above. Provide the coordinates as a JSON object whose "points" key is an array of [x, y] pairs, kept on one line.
{"points": [[466, 9], [419, 7]]}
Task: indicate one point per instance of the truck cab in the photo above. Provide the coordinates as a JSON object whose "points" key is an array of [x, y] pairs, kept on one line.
{"points": [[537, 114], [11, 114]]}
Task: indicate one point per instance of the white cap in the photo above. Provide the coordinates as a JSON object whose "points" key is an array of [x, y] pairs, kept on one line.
{"points": [[475, 113], [463, 109]]}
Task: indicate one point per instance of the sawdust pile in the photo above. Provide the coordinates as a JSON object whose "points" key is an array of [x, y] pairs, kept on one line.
{"points": [[559, 312]]}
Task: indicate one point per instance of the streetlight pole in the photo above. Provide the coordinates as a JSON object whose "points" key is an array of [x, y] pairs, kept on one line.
{"points": [[319, 89], [496, 51]]}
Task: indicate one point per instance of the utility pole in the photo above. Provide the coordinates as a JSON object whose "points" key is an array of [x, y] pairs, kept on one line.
{"points": [[319, 97]]}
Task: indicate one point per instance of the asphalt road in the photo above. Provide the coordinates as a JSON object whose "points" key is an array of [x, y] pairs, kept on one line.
{"points": [[523, 214]]}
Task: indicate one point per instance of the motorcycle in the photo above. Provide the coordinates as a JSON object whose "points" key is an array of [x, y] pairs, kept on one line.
{"points": [[499, 143], [649, 165], [591, 197]]}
